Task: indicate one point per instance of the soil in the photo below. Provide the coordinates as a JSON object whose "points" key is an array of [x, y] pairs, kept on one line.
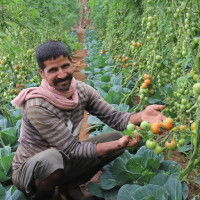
{"points": [[79, 64]]}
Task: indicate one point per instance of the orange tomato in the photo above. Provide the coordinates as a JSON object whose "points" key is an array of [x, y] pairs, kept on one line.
{"points": [[155, 127], [147, 81], [143, 86], [134, 64], [168, 123], [138, 44], [127, 65], [182, 127], [22, 85], [171, 145], [193, 126], [126, 58], [148, 76]]}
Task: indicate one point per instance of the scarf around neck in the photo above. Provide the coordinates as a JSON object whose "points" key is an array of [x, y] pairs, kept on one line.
{"points": [[66, 100]]}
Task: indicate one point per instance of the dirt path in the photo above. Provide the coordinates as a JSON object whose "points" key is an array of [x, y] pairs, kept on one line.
{"points": [[79, 64]]}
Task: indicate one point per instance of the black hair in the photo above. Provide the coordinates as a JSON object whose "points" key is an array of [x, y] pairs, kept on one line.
{"points": [[50, 50]]}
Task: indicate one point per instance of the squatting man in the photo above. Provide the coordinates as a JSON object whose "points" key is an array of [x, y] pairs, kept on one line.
{"points": [[50, 154]]}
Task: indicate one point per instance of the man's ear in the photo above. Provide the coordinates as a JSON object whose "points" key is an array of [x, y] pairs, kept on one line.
{"points": [[41, 73]]}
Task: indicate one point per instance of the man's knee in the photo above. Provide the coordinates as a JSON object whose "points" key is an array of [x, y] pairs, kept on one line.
{"points": [[50, 182]]}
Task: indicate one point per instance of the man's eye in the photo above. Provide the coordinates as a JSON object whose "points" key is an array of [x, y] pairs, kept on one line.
{"points": [[65, 66], [52, 70]]}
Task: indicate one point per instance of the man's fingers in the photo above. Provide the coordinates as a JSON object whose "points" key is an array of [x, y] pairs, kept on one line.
{"points": [[157, 107]]}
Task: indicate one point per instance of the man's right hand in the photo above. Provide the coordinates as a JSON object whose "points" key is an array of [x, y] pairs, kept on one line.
{"points": [[122, 143], [127, 141]]}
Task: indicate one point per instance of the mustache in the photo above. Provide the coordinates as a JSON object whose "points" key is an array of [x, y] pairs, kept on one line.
{"points": [[58, 80]]}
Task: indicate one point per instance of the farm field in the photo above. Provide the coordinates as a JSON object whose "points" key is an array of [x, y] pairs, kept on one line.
{"points": [[135, 54]]}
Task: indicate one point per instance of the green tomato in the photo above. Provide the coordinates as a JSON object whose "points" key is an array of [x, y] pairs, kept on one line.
{"points": [[158, 149], [196, 88], [184, 101], [181, 142], [145, 125], [196, 40], [151, 144], [158, 57], [195, 77], [130, 127]]}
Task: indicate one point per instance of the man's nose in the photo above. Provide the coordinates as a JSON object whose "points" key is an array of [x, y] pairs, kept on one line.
{"points": [[61, 74]]}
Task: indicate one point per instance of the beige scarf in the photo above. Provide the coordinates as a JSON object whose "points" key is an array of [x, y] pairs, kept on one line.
{"points": [[66, 100]]}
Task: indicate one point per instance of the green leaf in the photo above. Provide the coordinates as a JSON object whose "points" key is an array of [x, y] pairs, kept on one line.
{"points": [[6, 151], [106, 77], [160, 179], [4, 123], [123, 107], [107, 180], [116, 80], [95, 188], [153, 165], [9, 136], [94, 120], [146, 178], [2, 192], [99, 84], [183, 79], [155, 191], [113, 97], [116, 88], [6, 163], [174, 187], [126, 192], [185, 190], [102, 92], [169, 167], [168, 90], [136, 164], [14, 194], [126, 176], [3, 177], [111, 194], [119, 165], [107, 129]]}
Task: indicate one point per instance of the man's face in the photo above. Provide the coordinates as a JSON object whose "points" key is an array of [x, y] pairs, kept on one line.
{"points": [[58, 73]]}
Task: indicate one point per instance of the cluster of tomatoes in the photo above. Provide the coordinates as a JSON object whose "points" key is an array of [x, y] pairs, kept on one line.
{"points": [[160, 136], [146, 88], [18, 74]]}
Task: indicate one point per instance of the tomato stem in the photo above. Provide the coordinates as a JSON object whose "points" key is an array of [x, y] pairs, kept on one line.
{"points": [[195, 146]]}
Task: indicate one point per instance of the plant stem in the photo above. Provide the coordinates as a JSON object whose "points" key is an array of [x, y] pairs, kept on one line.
{"points": [[186, 172]]}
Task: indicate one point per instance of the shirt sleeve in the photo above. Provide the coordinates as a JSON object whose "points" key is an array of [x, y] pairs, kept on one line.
{"points": [[98, 107], [54, 131]]}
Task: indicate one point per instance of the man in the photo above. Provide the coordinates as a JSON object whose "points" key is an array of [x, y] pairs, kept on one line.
{"points": [[49, 153]]}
